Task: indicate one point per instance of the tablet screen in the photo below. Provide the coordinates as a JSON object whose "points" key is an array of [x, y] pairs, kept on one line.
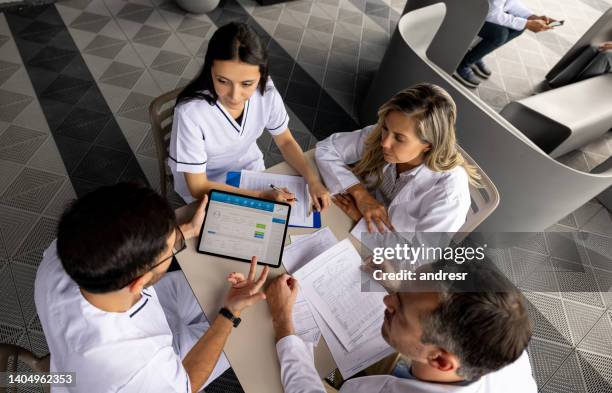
{"points": [[238, 227]]}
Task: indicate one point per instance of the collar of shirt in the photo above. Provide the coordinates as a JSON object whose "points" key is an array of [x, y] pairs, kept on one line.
{"points": [[411, 173], [233, 122]]}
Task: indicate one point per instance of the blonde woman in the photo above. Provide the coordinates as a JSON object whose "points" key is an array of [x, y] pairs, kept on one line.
{"points": [[403, 173]]}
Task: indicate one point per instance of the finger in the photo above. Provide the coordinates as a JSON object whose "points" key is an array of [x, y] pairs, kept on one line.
{"points": [[253, 268], [368, 268], [369, 261], [386, 221], [256, 298], [262, 279], [371, 227], [316, 204], [288, 193], [203, 202], [380, 225], [238, 276], [293, 284], [326, 201]]}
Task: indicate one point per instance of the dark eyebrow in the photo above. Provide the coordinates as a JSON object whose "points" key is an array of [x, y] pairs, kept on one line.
{"points": [[221, 76]]}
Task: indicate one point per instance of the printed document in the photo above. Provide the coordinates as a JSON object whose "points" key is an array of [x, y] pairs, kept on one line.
{"points": [[301, 214], [363, 355], [332, 284], [298, 254], [295, 238], [307, 248]]}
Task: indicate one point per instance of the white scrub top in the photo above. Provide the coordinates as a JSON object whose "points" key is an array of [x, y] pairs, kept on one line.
{"points": [[131, 351], [298, 375], [206, 139], [419, 200]]}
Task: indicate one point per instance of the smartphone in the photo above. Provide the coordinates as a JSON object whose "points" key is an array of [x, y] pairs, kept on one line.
{"points": [[556, 23]]}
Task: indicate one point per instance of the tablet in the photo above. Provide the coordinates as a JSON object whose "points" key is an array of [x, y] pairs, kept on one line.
{"points": [[239, 227]]}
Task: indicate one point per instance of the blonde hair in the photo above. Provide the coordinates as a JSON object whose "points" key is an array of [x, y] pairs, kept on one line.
{"points": [[435, 114]]}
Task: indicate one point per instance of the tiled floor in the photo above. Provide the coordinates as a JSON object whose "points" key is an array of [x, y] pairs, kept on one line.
{"points": [[76, 80]]}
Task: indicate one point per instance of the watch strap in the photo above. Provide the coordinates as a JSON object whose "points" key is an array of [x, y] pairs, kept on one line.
{"points": [[229, 315]]}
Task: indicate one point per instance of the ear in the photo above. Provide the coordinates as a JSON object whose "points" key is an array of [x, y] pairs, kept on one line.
{"points": [[140, 282], [443, 361]]}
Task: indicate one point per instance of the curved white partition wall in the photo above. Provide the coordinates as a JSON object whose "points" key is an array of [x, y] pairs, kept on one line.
{"points": [[536, 191]]}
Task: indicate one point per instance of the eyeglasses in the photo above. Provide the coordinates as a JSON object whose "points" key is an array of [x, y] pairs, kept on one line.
{"points": [[179, 245]]}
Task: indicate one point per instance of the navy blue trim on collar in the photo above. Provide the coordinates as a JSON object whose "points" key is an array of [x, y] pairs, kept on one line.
{"points": [[228, 119], [146, 294], [281, 124], [139, 308], [244, 118], [186, 163]]}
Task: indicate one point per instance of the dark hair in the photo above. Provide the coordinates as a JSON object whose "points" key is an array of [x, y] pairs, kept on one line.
{"points": [[487, 329], [112, 235], [233, 41]]}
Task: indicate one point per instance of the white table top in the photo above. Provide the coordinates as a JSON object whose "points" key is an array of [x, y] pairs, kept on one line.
{"points": [[251, 347]]}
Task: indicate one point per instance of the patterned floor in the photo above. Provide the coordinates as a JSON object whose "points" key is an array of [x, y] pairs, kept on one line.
{"points": [[76, 79]]}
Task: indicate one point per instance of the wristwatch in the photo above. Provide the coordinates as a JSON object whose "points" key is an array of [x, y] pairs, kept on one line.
{"points": [[228, 314]]}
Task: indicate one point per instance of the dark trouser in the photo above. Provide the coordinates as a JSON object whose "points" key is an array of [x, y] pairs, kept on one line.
{"points": [[493, 36], [601, 64]]}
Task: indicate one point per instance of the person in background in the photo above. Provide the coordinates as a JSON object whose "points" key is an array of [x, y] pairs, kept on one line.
{"points": [[405, 172], [109, 310], [506, 20], [456, 341], [599, 65]]}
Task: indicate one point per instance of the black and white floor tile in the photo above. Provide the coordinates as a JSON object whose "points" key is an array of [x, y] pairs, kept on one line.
{"points": [[77, 77]]}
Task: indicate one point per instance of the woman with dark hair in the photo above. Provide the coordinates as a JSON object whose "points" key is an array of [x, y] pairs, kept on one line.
{"points": [[221, 113]]}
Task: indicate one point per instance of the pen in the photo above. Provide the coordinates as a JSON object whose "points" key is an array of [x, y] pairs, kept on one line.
{"points": [[272, 186]]}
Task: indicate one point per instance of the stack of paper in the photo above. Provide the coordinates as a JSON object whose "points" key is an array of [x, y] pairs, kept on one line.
{"points": [[349, 319], [296, 255]]}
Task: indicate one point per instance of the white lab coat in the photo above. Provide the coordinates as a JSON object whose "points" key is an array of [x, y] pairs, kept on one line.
{"points": [[298, 375], [420, 200], [139, 350]]}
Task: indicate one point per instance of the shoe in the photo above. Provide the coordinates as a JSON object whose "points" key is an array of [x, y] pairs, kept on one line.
{"points": [[466, 76], [481, 69]]}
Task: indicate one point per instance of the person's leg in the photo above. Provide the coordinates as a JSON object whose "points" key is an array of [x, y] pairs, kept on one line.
{"points": [[601, 64], [493, 36]]}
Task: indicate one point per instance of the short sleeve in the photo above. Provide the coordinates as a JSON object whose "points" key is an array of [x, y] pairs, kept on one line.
{"points": [[187, 144], [278, 119], [163, 373]]}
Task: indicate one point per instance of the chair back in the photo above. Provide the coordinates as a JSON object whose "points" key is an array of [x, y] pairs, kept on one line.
{"points": [[10, 355], [484, 200], [161, 112]]}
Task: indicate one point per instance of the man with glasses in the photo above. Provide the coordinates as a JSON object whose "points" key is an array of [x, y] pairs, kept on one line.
{"points": [[112, 314]]}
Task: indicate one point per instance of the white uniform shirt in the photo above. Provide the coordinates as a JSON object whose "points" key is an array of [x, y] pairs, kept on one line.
{"points": [[206, 139], [419, 200], [509, 13], [298, 375], [128, 351]]}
